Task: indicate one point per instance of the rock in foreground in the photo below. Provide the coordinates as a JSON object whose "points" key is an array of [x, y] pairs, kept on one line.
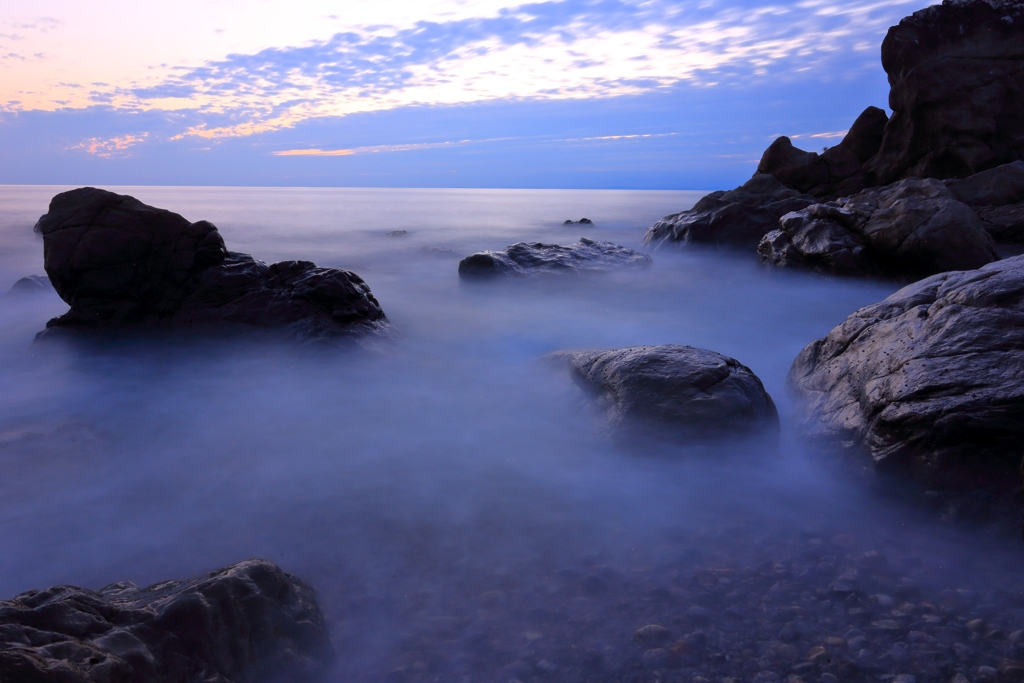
{"points": [[119, 262], [686, 390], [927, 384], [532, 258], [247, 623]]}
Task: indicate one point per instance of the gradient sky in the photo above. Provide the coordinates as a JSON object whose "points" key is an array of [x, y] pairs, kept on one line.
{"points": [[449, 93]]}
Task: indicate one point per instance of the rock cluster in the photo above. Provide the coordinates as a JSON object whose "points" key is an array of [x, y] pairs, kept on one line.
{"points": [[249, 622], [119, 262], [681, 389], [535, 258], [913, 228], [927, 384]]}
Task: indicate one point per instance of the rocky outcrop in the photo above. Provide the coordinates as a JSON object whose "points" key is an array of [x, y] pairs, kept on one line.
{"points": [[911, 228], [680, 390], [737, 218], [839, 171], [247, 623], [534, 258], [997, 197], [927, 384], [118, 262]]}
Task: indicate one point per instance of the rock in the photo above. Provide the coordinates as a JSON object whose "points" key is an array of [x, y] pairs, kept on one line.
{"points": [[737, 218], [582, 221], [692, 391], [997, 197], [956, 76], [653, 633], [248, 622], [118, 262], [533, 258], [928, 383], [911, 228], [398, 233], [31, 284]]}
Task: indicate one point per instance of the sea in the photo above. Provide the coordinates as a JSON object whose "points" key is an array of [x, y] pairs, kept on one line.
{"points": [[443, 489]]}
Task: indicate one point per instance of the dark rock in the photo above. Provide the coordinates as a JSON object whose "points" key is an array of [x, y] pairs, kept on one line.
{"points": [[248, 622], [582, 221], [682, 388], [531, 258], [839, 171], [31, 284], [956, 76], [118, 262], [652, 634], [927, 384], [398, 233], [911, 228], [738, 218], [997, 196]]}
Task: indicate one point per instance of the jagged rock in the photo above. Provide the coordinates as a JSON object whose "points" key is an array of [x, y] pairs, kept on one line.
{"points": [[682, 389], [31, 284], [997, 196], [247, 623], [582, 221], [839, 170], [911, 228], [956, 76], [118, 262], [739, 217], [927, 384], [532, 258]]}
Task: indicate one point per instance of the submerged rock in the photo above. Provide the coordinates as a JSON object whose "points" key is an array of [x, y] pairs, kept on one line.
{"points": [[738, 218], [911, 228], [31, 284], [531, 258], [695, 392], [247, 623], [927, 384], [119, 262]]}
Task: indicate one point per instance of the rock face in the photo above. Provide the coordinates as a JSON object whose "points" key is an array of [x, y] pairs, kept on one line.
{"points": [[839, 171], [997, 196], [690, 391], [929, 383], [534, 258], [117, 262], [911, 228], [737, 218], [247, 623]]}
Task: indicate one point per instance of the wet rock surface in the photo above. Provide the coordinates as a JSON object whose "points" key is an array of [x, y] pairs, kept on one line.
{"points": [[535, 258], [120, 263], [997, 197], [911, 228], [681, 389], [927, 384], [249, 622]]}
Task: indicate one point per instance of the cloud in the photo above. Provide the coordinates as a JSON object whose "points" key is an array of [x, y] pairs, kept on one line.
{"points": [[110, 147]]}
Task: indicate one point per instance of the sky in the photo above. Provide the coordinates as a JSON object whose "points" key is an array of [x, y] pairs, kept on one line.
{"points": [[630, 94]]}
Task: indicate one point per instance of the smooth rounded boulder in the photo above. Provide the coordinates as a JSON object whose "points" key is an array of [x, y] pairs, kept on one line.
{"points": [[682, 390], [927, 384]]}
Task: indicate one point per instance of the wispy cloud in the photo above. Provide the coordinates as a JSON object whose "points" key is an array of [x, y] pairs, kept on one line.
{"points": [[109, 147]]}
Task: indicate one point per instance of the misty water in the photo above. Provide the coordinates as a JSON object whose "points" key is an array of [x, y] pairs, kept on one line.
{"points": [[455, 501]]}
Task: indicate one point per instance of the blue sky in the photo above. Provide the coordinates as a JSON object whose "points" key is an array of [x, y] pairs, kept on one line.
{"points": [[460, 93]]}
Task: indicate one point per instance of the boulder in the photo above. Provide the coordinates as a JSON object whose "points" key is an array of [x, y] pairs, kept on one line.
{"points": [[927, 384], [911, 228], [737, 218], [839, 170], [956, 77], [247, 623], [118, 262], [534, 258], [997, 197], [687, 391], [31, 284]]}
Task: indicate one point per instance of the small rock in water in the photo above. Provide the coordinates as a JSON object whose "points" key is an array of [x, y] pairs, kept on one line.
{"points": [[535, 258], [31, 284], [652, 633], [398, 233]]}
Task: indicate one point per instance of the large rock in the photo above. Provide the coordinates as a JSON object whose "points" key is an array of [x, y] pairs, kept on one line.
{"points": [[839, 171], [534, 258], [249, 622], [737, 218], [685, 390], [927, 384], [119, 262], [956, 76], [911, 228], [997, 196]]}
